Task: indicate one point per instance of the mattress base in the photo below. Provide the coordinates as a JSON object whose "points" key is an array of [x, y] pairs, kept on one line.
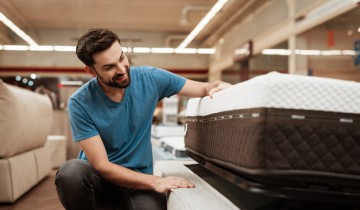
{"points": [[276, 187]]}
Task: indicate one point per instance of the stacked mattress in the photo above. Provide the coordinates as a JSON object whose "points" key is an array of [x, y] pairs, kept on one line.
{"points": [[174, 145], [279, 128]]}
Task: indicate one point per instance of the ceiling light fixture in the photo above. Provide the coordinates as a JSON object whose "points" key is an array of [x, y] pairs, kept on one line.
{"points": [[287, 52], [41, 48], [141, 49], [205, 51], [162, 50], [16, 47], [214, 10], [17, 30], [65, 48], [186, 50], [125, 49]]}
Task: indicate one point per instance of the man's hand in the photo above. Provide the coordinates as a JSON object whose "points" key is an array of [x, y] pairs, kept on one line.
{"points": [[202, 89], [220, 86], [165, 184]]}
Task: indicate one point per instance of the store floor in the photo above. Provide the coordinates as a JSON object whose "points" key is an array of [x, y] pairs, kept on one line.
{"points": [[43, 196]]}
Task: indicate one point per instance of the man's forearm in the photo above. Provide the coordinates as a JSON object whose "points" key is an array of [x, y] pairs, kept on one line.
{"points": [[125, 177]]}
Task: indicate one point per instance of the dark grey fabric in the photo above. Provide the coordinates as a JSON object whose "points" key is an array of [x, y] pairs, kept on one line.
{"points": [[80, 187]]}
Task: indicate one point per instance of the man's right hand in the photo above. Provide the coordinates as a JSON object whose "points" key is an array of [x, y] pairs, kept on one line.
{"points": [[165, 184]]}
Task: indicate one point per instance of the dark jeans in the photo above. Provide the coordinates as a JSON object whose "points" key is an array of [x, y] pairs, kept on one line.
{"points": [[79, 187]]}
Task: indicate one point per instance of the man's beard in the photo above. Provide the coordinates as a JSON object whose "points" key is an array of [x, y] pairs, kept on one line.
{"points": [[115, 83]]}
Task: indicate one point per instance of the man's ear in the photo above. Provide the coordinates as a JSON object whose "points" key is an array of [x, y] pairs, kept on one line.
{"points": [[90, 71]]}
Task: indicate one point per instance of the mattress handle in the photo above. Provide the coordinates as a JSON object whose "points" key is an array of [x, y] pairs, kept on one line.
{"points": [[185, 128], [298, 117], [346, 120]]}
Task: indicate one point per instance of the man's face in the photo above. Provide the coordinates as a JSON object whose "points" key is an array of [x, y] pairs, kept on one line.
{"points": [[112, 67]]}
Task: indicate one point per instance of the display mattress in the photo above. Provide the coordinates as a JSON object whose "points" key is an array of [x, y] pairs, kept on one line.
{"points": [[281, 129]]}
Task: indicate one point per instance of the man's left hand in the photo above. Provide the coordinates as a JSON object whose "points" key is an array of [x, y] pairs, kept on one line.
{"points": [[219, 87]]}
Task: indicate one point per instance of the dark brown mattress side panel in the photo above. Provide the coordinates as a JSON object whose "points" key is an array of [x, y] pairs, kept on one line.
{"points": [[278, 141], [236, 139]]}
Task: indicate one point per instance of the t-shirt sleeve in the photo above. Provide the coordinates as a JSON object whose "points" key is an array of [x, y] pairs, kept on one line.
{"points": [[167, 82], [82, 127]]}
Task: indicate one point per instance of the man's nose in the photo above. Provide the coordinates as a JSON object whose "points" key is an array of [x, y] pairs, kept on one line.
{"points": [[121, 69]]}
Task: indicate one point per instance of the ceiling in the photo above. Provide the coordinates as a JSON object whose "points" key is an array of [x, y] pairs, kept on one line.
{"points": [[175, 17], [154, 15]]}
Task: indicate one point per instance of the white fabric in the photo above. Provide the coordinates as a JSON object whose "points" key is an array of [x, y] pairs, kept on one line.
{"points": [[276, 90], [176, 142], [159, 131]]}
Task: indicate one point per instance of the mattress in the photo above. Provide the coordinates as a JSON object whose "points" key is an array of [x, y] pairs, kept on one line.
{"points": [[280, 129], [174, 145], [159, 131]]}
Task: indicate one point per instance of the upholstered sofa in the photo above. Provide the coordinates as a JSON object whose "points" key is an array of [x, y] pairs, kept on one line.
{"points": [[25, 123]]}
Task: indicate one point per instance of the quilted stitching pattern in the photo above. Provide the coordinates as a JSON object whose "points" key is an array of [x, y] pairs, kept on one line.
{"points": [[317, 94], [310, 147]]}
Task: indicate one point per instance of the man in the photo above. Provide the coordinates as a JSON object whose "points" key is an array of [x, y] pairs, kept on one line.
{"points": [[111, 117]]}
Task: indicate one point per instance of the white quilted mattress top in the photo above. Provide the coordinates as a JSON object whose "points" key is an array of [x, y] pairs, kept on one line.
{"points": [[276, 90]]}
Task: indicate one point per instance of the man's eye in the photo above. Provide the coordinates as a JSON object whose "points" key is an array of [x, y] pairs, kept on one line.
{"points": [[108, 67]]}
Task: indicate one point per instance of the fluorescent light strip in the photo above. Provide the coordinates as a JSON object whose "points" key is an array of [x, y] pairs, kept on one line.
{"points": [[205, 51], [41, 48], [17, 30], [162, 50], [214, 10], [348, 52], [287, 52], [185, 50], [16, 47], [284, 52], [125, 49], [141, 50], [65, 48], [275, 52], [307, 52]]}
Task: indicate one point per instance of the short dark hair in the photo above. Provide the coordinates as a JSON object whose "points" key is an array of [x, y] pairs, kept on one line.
{"points": [[94, 41]]}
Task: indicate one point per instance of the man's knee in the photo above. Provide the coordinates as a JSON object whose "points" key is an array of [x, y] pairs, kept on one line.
{"points": [[74, 183], [148, 199], [72, 171]]}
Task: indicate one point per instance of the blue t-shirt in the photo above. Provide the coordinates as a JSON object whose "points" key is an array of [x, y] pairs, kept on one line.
{"points": [[125, 126]]}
